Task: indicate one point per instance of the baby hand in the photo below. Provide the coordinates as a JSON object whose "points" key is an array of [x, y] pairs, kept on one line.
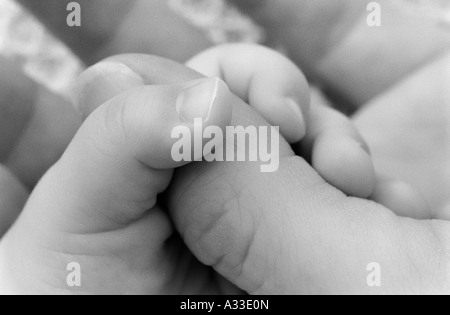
{"points": [[277, 90]]}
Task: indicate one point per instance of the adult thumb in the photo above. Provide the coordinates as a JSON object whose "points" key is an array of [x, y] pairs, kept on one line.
{"points": [[121, 158]]}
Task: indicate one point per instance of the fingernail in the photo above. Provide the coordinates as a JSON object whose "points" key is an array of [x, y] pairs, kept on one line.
{"points": [[101, 83], [197, 100], [295, 131]]}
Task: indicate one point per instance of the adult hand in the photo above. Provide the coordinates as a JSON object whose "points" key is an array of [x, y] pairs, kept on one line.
{"points": [[286, 232], [408, 241], [322, 53], [35, 128], [37, 125], [97, 205]]}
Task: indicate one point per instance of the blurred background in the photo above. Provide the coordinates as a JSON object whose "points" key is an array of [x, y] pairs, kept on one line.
{"points": [[24, 40]]}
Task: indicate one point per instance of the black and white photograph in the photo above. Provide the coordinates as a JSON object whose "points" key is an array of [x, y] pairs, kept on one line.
{"points": [[224, 155]]}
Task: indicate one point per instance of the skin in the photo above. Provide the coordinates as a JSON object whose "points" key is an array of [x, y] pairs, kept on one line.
{"points": [[259, 76], [96, 157], [418, 250], [324, 226], [341, 31], [321, 35], [33, 120], [36, 127], [333, 146], [418, 150]]}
